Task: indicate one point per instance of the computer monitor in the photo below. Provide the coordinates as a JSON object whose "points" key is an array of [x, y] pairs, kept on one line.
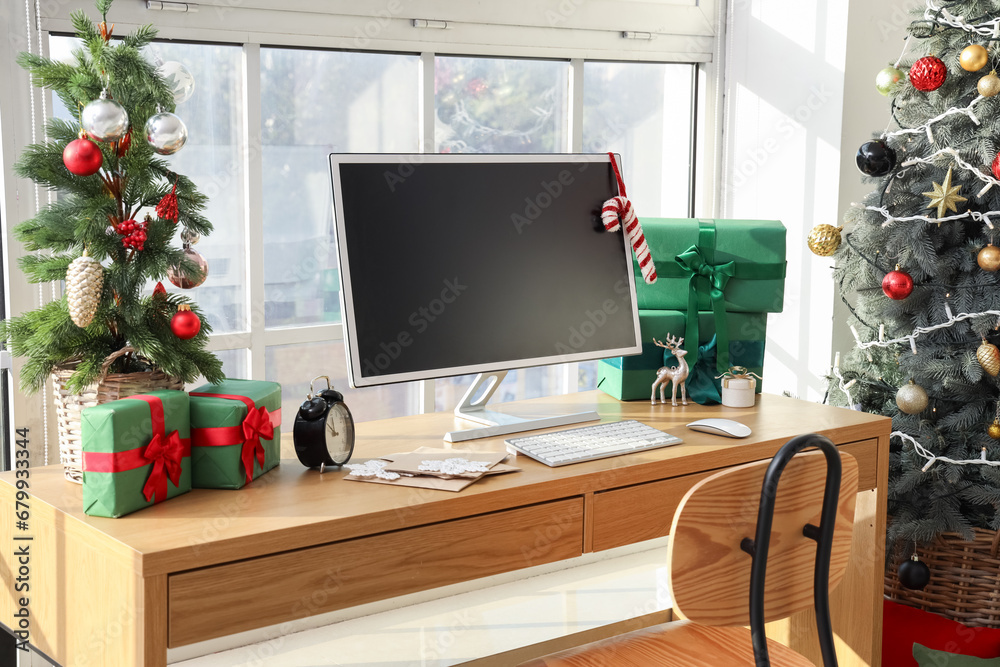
{"points": [[455, 264]]}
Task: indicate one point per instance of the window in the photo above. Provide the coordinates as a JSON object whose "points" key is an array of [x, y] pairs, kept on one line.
{"points": [[314, 103], [495, 105], [643, 112], [264, 118]]}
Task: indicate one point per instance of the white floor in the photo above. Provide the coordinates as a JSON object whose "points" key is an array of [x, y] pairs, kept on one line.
{"points": [[476, 623]]}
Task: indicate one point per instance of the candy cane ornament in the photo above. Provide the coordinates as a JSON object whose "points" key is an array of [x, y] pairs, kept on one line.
{"points": [[617, 212]]}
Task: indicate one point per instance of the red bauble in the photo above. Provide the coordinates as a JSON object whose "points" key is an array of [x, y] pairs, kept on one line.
{"points": [[185, 323], [82, 157], [928, 73], [897, 284], [996, 166]]}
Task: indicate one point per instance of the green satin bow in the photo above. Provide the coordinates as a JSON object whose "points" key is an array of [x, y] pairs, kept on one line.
{"points": [[712, 277]]}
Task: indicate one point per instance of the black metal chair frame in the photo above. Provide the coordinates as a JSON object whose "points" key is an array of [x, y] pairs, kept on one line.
{"points": [[823, 535]]}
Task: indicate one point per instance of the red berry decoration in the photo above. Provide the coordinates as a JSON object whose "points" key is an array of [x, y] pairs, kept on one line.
{"points": [[185, 323], [82, 157], [897, 284], [134, 233], [928, 73]]}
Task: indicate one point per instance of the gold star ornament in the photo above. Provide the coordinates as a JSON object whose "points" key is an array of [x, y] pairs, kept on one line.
{"points": [[944, 196]]}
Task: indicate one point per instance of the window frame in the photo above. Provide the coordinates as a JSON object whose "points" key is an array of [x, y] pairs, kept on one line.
{"points": [[664, 31]]}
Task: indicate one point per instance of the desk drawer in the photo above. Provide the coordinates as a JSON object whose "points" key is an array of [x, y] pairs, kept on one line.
{"points": [[645, 511], [638, 513], [234, 597]]}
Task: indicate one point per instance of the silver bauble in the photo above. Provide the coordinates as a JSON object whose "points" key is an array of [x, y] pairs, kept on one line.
{"points": [[166, 133], [189, 236], [104, 119], [911, 398], [179, 80]]}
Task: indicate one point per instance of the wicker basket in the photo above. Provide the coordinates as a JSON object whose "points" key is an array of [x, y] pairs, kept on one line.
{"points": [[109, 387], [965, 579]]}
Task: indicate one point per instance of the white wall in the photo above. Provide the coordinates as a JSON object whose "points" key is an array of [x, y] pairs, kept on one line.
{"points": [[785, 86], [800, 100]]}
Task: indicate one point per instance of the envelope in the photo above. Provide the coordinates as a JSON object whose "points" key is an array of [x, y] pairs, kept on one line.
{"points": [[424, 480]]}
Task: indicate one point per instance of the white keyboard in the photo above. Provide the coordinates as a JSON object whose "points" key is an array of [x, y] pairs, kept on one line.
{"points": [[576, 445]]}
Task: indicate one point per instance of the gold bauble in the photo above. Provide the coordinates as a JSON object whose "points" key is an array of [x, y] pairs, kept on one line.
{"points": [[989, 85], [993, 430], [989, 258], [973, 58], [911, 398], [824, 239], [989, 357]]}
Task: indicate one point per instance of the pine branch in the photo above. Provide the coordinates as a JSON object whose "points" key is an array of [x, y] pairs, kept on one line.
{"points": [[141, 38]]}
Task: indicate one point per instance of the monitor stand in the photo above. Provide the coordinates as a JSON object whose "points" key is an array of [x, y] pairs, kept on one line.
{"points": [[501, 423]]}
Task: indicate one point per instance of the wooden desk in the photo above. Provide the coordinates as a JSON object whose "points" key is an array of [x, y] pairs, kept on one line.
{"points": [[295, 543]]}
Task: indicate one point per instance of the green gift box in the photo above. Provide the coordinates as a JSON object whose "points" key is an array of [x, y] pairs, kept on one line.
{"points": [[631, 378], [235, 432], [136, 452], [736, 266]]}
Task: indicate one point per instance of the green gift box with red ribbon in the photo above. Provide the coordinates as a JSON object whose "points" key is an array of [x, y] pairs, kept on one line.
{"points": [[136, 452], [235, 432]]}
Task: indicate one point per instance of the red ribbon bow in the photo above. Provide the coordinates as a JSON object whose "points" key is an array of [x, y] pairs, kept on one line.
{"points": [[165, 452], [256, 426]]}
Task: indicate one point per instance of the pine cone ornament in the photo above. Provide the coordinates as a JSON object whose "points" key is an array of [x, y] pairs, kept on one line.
{"points": [[989, 357], [84, 280]]}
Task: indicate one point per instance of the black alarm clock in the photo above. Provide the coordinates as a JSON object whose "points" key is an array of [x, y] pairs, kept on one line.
{"points": [[324, 429]]}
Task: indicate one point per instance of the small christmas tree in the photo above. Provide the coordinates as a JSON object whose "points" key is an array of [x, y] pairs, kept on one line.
{"points": [[107, 175], [918, 271]]}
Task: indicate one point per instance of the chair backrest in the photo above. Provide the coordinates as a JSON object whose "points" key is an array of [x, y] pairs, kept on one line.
{"points": [[710, 573]]}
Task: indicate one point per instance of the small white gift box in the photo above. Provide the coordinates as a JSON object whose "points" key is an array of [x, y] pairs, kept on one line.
{"points": [[739, 388]]}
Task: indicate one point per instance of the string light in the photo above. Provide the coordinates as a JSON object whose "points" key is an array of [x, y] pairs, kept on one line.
{"points": [[926, 127], [988, 180], [903, 52], [974, 215], [844, 386], [943, 16], [932, 459], [920, 331]]}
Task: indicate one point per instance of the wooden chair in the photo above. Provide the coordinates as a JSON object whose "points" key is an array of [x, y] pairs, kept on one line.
{"points": [[802, 538]]}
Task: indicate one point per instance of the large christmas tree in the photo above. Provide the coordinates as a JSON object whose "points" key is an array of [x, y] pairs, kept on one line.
{"points": [[918, 271], [109, 229]]}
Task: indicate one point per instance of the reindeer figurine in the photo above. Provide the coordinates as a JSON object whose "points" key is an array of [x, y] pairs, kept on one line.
{"points": [[677, 375]]}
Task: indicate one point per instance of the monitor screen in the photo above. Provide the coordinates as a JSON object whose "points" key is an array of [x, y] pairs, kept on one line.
{"points": [[454, 264]]}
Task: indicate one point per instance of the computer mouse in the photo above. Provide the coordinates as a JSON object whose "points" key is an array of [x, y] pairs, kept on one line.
{"points": [[726, 427]]}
